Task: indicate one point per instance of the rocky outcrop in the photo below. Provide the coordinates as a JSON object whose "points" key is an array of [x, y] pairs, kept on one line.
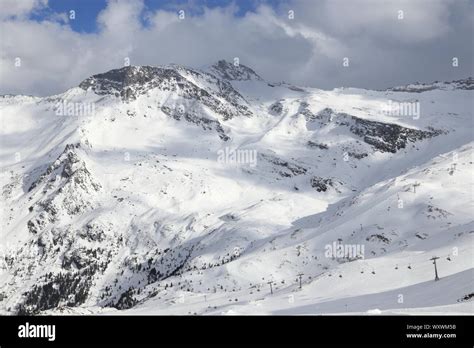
{"points": [[276, 108], [193, 117], [323, 184], [234, 72], [320, 146], [66, 188], [130, 82], [284, 168], [387, 137], [384, 137], [464, 84]]}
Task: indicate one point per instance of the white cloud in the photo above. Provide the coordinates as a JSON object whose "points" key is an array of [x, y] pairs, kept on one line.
{"points": [[20, 8], [307, 50], [120, 17], [400, 20]]}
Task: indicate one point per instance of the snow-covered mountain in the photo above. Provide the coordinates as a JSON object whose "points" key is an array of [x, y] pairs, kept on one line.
{"points": [[157, 190]]}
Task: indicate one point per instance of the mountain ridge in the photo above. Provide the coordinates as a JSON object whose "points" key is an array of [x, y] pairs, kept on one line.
{"points": [[129, 207]]}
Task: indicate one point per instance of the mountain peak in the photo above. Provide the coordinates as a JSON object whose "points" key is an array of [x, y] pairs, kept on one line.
{"points": [[130, 81], [123, 81], [126, 76], [234, 71]]}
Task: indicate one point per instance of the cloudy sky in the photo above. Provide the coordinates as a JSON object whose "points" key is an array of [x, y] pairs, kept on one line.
{"points": [[45, 48]]}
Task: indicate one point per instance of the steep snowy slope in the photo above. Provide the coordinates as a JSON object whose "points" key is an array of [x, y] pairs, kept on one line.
{"points": [[176, 190]]}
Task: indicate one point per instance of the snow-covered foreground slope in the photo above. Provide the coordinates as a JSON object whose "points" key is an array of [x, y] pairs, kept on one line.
{"points": [[171, 190]]}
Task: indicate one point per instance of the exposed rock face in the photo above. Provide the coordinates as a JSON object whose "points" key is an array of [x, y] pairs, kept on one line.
{"points": [[384, 137], [69, 167], [234, 72], [387, 137], [321, 119], [192, 90], [66, 188], [313, 144], [193, 117], [66, 185], [357, 155], [69, 286], [276, 108], [304, 110], [284, 168], [132, 81], [323, 184], [465, 84]]}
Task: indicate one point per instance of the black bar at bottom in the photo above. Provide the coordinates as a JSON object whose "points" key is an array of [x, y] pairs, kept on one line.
{"points": [[189, 330]]}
